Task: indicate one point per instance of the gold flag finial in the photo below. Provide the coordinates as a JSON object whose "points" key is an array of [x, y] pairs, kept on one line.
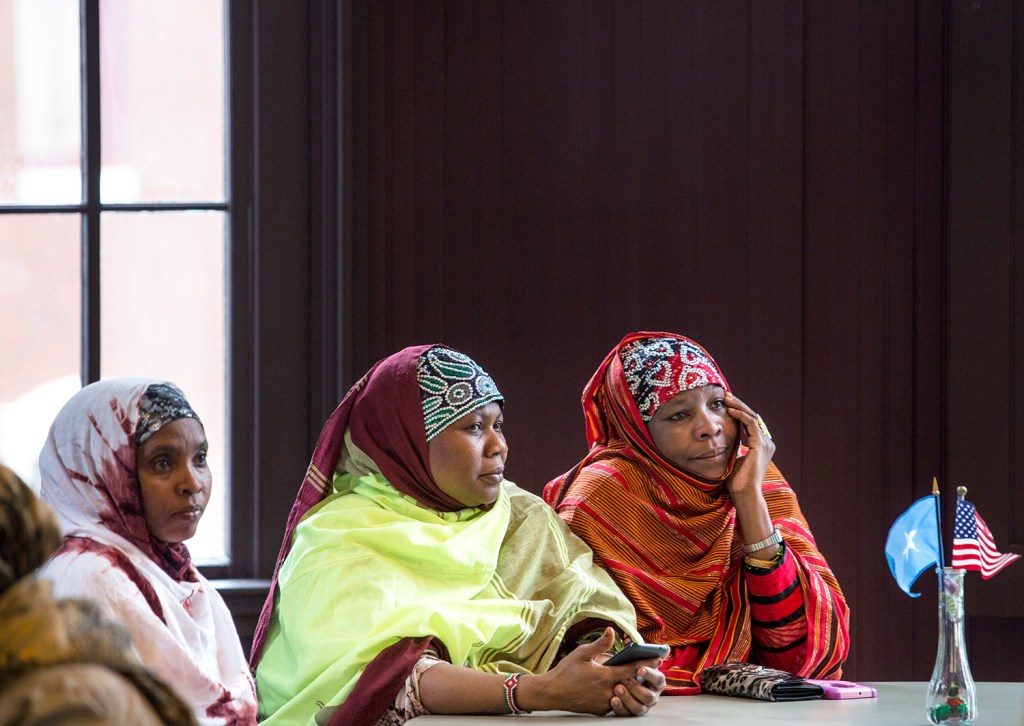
{"points": [[961, 492], [935, 486]]}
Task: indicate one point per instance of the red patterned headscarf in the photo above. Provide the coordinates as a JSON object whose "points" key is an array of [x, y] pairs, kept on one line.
{"points": [[610, 408], [659, 369]]}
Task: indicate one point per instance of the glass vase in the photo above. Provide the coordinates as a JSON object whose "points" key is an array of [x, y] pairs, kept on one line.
{"points": [[952, 699]]}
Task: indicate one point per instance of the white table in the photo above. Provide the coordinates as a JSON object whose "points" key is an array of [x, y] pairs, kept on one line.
{"points": [[899, 703]]}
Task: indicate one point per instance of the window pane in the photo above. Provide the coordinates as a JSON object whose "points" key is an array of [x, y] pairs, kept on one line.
{"points": [[40, 328], [162, 80], [40, 127], [162, 316]]}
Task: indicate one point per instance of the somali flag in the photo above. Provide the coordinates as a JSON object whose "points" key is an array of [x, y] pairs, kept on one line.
{"points": [[913, 543]]}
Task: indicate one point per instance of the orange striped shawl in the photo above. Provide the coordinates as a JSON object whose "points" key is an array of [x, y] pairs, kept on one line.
{"points": [[674, 550]]}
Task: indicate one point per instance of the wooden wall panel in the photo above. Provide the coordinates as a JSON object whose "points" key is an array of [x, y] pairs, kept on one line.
{"points": [[863, 252], [768, 178], [985, 354], [597, 167]]}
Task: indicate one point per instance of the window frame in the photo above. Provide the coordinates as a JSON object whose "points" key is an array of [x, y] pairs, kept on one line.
{"points": [[90, 209], [290, 121], [292, 143], [292, 306]]}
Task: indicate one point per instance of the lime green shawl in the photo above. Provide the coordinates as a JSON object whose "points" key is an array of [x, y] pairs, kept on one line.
{"points": [[368, 567]]}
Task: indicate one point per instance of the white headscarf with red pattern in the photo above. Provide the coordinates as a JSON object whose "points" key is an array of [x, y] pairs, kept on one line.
{"points": [[180, 626]]}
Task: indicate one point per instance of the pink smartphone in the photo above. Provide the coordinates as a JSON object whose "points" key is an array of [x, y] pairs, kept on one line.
{"points": [[844, 689]]}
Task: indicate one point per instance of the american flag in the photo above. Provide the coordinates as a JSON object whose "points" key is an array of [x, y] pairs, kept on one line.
{"points": [[973, 546]]}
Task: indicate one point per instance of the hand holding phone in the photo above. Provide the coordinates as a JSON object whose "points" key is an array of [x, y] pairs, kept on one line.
{"points": [[637, 651]]}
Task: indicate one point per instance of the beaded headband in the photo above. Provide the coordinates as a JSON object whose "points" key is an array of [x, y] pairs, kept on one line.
{"points": [[160, 405], [451, 385], [658, 369]]}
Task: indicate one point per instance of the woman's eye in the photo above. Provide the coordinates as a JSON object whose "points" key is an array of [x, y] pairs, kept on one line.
{"points": [[498, 425], [474, 427], [201, 457], [161, 465], [677, 416], [718, 403]]}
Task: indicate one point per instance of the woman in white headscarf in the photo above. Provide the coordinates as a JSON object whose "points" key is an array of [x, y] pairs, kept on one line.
{"points": [[125, 468]]}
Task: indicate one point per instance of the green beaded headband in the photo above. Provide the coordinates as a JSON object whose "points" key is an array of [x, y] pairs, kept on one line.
{"points": [[451, 385]]}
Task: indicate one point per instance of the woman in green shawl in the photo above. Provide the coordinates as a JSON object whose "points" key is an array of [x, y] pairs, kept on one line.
{"points": [[415, 579]]}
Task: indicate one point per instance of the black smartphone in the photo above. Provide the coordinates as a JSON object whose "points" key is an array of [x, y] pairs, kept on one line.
{"points": [[637, 651]]}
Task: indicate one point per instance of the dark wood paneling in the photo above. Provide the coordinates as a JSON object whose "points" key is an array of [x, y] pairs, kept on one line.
{"points": [[870, 158], [981, 256], [583, 163], [764, 177], [994, 645], [985, 351]]}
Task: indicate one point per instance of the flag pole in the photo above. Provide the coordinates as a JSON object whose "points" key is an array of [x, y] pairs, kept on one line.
{"points": [[938, 518], [961, 492]]}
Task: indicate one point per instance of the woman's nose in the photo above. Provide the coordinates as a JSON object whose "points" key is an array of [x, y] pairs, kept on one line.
{"points": [[707, 425], [189, 482], [497, 444]]}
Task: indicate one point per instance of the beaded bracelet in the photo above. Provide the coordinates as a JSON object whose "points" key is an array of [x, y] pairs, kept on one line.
{"points": [[765, 565], [511, 683]]}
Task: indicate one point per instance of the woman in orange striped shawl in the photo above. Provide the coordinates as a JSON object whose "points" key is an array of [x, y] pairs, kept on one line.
{"points": [[681, 503]]}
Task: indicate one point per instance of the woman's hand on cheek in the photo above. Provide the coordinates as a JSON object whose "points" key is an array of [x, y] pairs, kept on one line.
{"points": [[751, 434], [750, 469]]}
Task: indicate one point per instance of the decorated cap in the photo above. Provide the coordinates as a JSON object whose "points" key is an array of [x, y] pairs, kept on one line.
{"points": [[659, 369], [160, 405], [451, 385]]}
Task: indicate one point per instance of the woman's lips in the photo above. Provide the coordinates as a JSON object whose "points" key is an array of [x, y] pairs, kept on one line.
{"points": [[711, 455], [190, 513]]}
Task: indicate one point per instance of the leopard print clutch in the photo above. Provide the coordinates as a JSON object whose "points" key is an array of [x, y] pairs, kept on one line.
{"points": [[749, 680]]}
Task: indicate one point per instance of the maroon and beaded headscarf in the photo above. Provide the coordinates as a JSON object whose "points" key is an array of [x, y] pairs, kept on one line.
{"points": [[390, 413]]}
